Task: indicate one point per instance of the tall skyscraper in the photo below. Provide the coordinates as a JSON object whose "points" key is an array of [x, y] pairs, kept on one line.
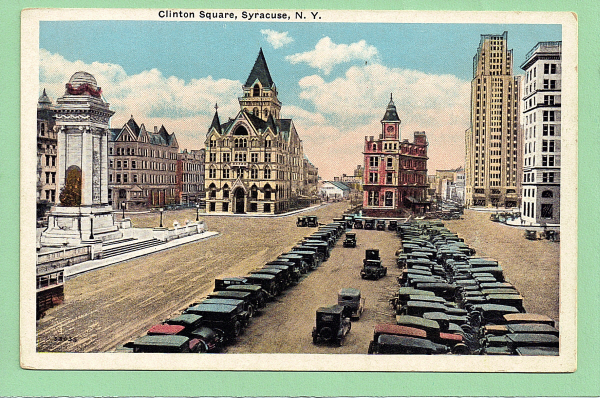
{"points": [[493, 142], [541, 120]]}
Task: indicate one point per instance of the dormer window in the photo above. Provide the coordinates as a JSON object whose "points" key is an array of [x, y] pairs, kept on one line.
{"points": [[256, 90]]}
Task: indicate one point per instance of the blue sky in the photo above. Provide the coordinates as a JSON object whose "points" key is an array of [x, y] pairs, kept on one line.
{"points": [[334, 79]]}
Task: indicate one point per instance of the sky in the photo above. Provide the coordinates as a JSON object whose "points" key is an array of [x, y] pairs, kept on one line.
{"points": [[334, 79]]}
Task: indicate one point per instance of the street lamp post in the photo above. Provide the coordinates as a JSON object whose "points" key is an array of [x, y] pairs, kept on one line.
{"points": [[123, 209], [161, 216], [197, 210]]}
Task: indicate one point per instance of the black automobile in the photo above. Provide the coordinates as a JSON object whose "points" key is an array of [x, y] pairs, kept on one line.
{"points": [[358, 224], [380, 225], [331, 325], [258, 295], [392, 225], [267, 282], [372, 269], [222, 284], [226, 319], [350, 240], [281, 278], [322, 247], [312, 221], [310, 257], [293, 272], [296, 259], [249, 305], [369, 224], [317, 254], [302, 222]]}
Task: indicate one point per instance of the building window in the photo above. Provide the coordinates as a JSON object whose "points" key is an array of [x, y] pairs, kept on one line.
{"points": [[212, 157], [133, 164], [373, 198], [374, 161], [389, 199], [118, 178], [390, 163], [373, 178], [254, 157], [267, 158], [548, 100], [135, 178], [212, 143], [267, 173], [226, 173], [388, 178], [212, 173], [546, 210], [547, 194]]}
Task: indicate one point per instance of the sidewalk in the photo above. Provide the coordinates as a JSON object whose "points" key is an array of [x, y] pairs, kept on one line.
{"points": [[258, 215], [101, 263]]}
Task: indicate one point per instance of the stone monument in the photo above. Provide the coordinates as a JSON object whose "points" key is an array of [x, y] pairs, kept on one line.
{"points": [[82, 122]]}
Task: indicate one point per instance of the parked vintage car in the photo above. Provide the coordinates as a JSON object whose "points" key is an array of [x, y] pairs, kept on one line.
{"points": [[350, 240], [405, 345], [312, 221], [369, 224], [269, 283], [358, 223], [392, 225], [331, 325], [352, 301], [246, 297], [229, 320], [372, 269], [380, 226], [164, 344], [258, 295], [302, 221], [190, 325]]}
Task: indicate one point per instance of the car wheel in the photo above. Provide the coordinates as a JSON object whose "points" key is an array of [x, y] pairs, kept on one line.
{"points": [[203, 348], [237, 328], [250, 311]]}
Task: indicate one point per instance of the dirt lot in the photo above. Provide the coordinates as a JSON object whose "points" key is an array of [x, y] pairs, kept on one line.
{"points": [[111, 306]]}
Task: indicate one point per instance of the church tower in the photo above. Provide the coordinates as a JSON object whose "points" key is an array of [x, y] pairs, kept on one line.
{"points": [[260, 92]]}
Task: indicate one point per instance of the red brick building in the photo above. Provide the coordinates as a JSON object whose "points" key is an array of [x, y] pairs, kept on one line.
{"points": [[395, 172]]}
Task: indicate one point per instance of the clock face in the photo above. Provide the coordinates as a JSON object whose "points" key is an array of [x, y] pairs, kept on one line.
{"points": [[390, 129]]}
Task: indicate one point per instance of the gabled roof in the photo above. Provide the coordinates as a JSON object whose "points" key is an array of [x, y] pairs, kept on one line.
{"points": [[215, 123], [260, 72]]}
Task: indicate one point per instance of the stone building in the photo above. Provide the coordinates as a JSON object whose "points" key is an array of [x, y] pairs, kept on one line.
{"points": [[47, 153], [395, 171], [254, 161], [143, 167], [190, 176], [493, 142], [541, 121]]}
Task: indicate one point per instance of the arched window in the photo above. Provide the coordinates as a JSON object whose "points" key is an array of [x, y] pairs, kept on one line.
{"points": [[547, 194], [225, 191], [267, 173], [256, 90], [268, 190], [255, 112], [374, 147], [212, 191], [253, 173], [213, 142], [268, 143]]}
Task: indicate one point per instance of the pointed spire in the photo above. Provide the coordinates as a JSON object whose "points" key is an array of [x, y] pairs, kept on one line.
{"points": [[390, 113], [215, 122], [260, 72], [44, 99]]}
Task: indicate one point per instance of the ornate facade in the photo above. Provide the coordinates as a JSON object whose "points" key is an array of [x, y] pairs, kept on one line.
{"points": [[143, 167], [190, 176], [395, 171], [255, 161]]}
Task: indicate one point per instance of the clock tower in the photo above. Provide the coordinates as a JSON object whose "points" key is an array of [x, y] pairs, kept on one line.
{"points": [[390, 123]]}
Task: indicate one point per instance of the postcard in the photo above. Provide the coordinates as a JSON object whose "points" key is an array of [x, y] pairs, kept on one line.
{"points": [[303, 190]]}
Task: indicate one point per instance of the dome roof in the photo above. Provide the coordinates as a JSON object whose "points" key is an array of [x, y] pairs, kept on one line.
{"points": [[80, 78]]}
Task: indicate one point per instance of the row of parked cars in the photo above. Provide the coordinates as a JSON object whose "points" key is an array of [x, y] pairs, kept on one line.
{"points": [[218, 319], [449, 301]]}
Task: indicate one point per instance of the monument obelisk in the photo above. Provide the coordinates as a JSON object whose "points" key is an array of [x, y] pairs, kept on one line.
{"points": [[82, 121]]}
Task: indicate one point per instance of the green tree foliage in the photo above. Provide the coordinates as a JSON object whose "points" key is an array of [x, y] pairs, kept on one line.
{"points": [[70, 194]]}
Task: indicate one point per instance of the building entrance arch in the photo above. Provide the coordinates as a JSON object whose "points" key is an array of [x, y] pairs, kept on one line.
{"points": [[239, 201]]}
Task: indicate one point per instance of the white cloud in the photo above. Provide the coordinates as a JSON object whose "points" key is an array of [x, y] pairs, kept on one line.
{"points": [[353, 105], [327, 54], [276, 39], [185, 108]]}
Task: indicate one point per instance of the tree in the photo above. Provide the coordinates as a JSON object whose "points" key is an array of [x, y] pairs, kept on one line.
{"points": [[70, 194]]}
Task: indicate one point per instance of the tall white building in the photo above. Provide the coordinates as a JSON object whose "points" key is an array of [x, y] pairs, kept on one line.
{"points": [[541, 128]]}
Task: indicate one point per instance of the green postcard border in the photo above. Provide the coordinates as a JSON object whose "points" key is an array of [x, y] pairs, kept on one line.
{"points": [[15, 381]]}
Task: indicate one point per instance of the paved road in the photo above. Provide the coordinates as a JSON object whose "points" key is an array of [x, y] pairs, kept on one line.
{"points": [[111, 306]]}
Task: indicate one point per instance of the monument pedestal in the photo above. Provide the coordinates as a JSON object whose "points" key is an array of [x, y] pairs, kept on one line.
{"points": [[70, 226]]}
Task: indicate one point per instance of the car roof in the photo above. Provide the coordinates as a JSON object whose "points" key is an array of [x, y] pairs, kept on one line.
{"points": [[332, 309], [349, 291], [166, 329], [213, 308], [161, 340], [187, 319]]}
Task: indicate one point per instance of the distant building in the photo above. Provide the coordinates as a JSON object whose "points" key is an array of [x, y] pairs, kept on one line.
{"points": [[449, 184], [310, 178], [255, 161], [47, 153], [493, 142], [142, 167], [332, 190], [395, 172], [190, 176], [541, 120]]}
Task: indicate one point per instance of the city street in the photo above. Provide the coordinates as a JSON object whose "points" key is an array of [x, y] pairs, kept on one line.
{"points": [[111, 306]]}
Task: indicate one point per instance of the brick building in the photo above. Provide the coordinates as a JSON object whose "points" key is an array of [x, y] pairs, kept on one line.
{"points": [[47, 153], [142, 167], [395, 171], [190, 176]]}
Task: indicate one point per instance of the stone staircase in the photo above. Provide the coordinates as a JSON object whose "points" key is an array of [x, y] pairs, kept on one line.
{"points": [[129, 246]]}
